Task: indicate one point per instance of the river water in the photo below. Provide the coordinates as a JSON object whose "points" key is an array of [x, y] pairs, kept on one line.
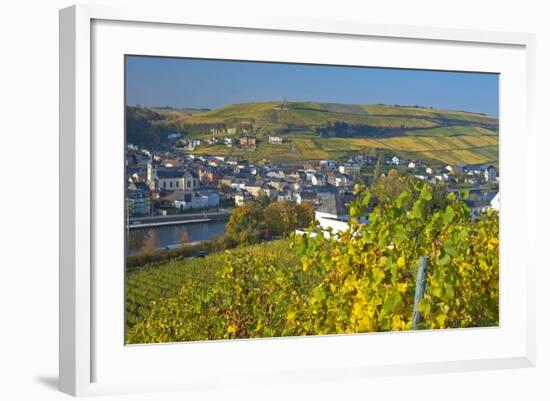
{"points": [[169, 236]]}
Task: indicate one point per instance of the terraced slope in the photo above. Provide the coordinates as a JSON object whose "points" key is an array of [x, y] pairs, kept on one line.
{"points": [[413, 132], [453, 150], [312, 113]]}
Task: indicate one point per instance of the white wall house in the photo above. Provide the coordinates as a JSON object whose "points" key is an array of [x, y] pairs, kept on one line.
{"points": [[318, 179], [350, 169], [342, 180], [480, 207], [333, 214], [275, 140], [197, 200], [205, 200]]}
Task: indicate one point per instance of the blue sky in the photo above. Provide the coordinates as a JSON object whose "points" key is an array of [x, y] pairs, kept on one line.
{"points": [[180, 82]]}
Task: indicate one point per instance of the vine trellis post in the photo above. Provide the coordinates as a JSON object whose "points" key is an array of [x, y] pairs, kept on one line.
{"points": [[420, 289]]}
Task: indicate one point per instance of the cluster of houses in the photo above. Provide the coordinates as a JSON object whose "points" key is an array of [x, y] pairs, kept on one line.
{"points": [[181, 180], [469, 174], [247, 142], [184, 180], [170, 178]]}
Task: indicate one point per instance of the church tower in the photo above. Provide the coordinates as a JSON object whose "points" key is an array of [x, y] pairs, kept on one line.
{"points": [[151, 172]]}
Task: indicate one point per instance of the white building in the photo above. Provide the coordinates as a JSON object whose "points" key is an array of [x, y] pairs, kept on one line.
{"points": [[197, 200], [173, 180], [327, 165], [174, 136], [350, 169], [205, 200], [151, 175], [318, 179], [275, 140], [305, 196], [489, 173], [342, 181], [479, 207], [333, 214]]}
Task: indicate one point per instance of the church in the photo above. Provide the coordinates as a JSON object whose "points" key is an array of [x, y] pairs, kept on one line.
{"points": [[171, 179]]}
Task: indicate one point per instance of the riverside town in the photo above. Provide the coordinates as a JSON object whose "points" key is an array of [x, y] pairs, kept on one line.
{"points": [[268, 200]]}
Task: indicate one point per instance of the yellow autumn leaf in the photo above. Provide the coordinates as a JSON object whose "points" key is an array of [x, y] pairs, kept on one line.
{"points": [[440, 319], [366, 325], [397, 323], [401, 261]]}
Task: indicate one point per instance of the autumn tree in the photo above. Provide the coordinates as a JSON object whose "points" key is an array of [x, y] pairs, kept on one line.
{"points": [[245, 225], [150, 245], [282, 218], [184, 237]]}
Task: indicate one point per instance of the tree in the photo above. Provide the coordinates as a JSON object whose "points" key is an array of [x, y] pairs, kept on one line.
{"points": [[377, 171], [283, 218], [184, 237], [306, 214], [150, 245], [246, 223], [387, 188], [263, 199]]}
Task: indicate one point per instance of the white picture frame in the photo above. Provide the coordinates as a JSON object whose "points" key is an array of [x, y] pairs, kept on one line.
{"points": [[82, 345]]}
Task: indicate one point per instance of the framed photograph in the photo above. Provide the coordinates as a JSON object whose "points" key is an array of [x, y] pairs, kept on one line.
{"points": [[268, 200]]}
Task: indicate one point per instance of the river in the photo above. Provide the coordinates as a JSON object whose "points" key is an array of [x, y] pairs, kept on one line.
{"points": [[169, 236]]}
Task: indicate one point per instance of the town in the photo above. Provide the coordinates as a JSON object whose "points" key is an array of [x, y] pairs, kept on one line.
{"points": [[178, 182]]}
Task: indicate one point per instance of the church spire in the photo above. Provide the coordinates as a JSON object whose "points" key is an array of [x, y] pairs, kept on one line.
{"points": [[151, 172]]}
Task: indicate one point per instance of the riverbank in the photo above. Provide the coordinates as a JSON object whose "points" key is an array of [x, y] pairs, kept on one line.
{"points": [[170, 236], [178, 219]]}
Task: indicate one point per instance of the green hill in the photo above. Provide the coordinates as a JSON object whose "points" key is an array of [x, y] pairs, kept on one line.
{"points": [[313, 130], [314, 114]]}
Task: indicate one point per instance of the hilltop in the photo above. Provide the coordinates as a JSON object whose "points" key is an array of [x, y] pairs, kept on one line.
{"points": [[313, 130], [310, 114]]}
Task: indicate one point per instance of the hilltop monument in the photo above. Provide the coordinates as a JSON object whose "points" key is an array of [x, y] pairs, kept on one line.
{"points": [[282, 106]]}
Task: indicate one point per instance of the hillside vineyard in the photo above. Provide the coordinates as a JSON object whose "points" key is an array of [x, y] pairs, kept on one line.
{"points": [[316, 131]]}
